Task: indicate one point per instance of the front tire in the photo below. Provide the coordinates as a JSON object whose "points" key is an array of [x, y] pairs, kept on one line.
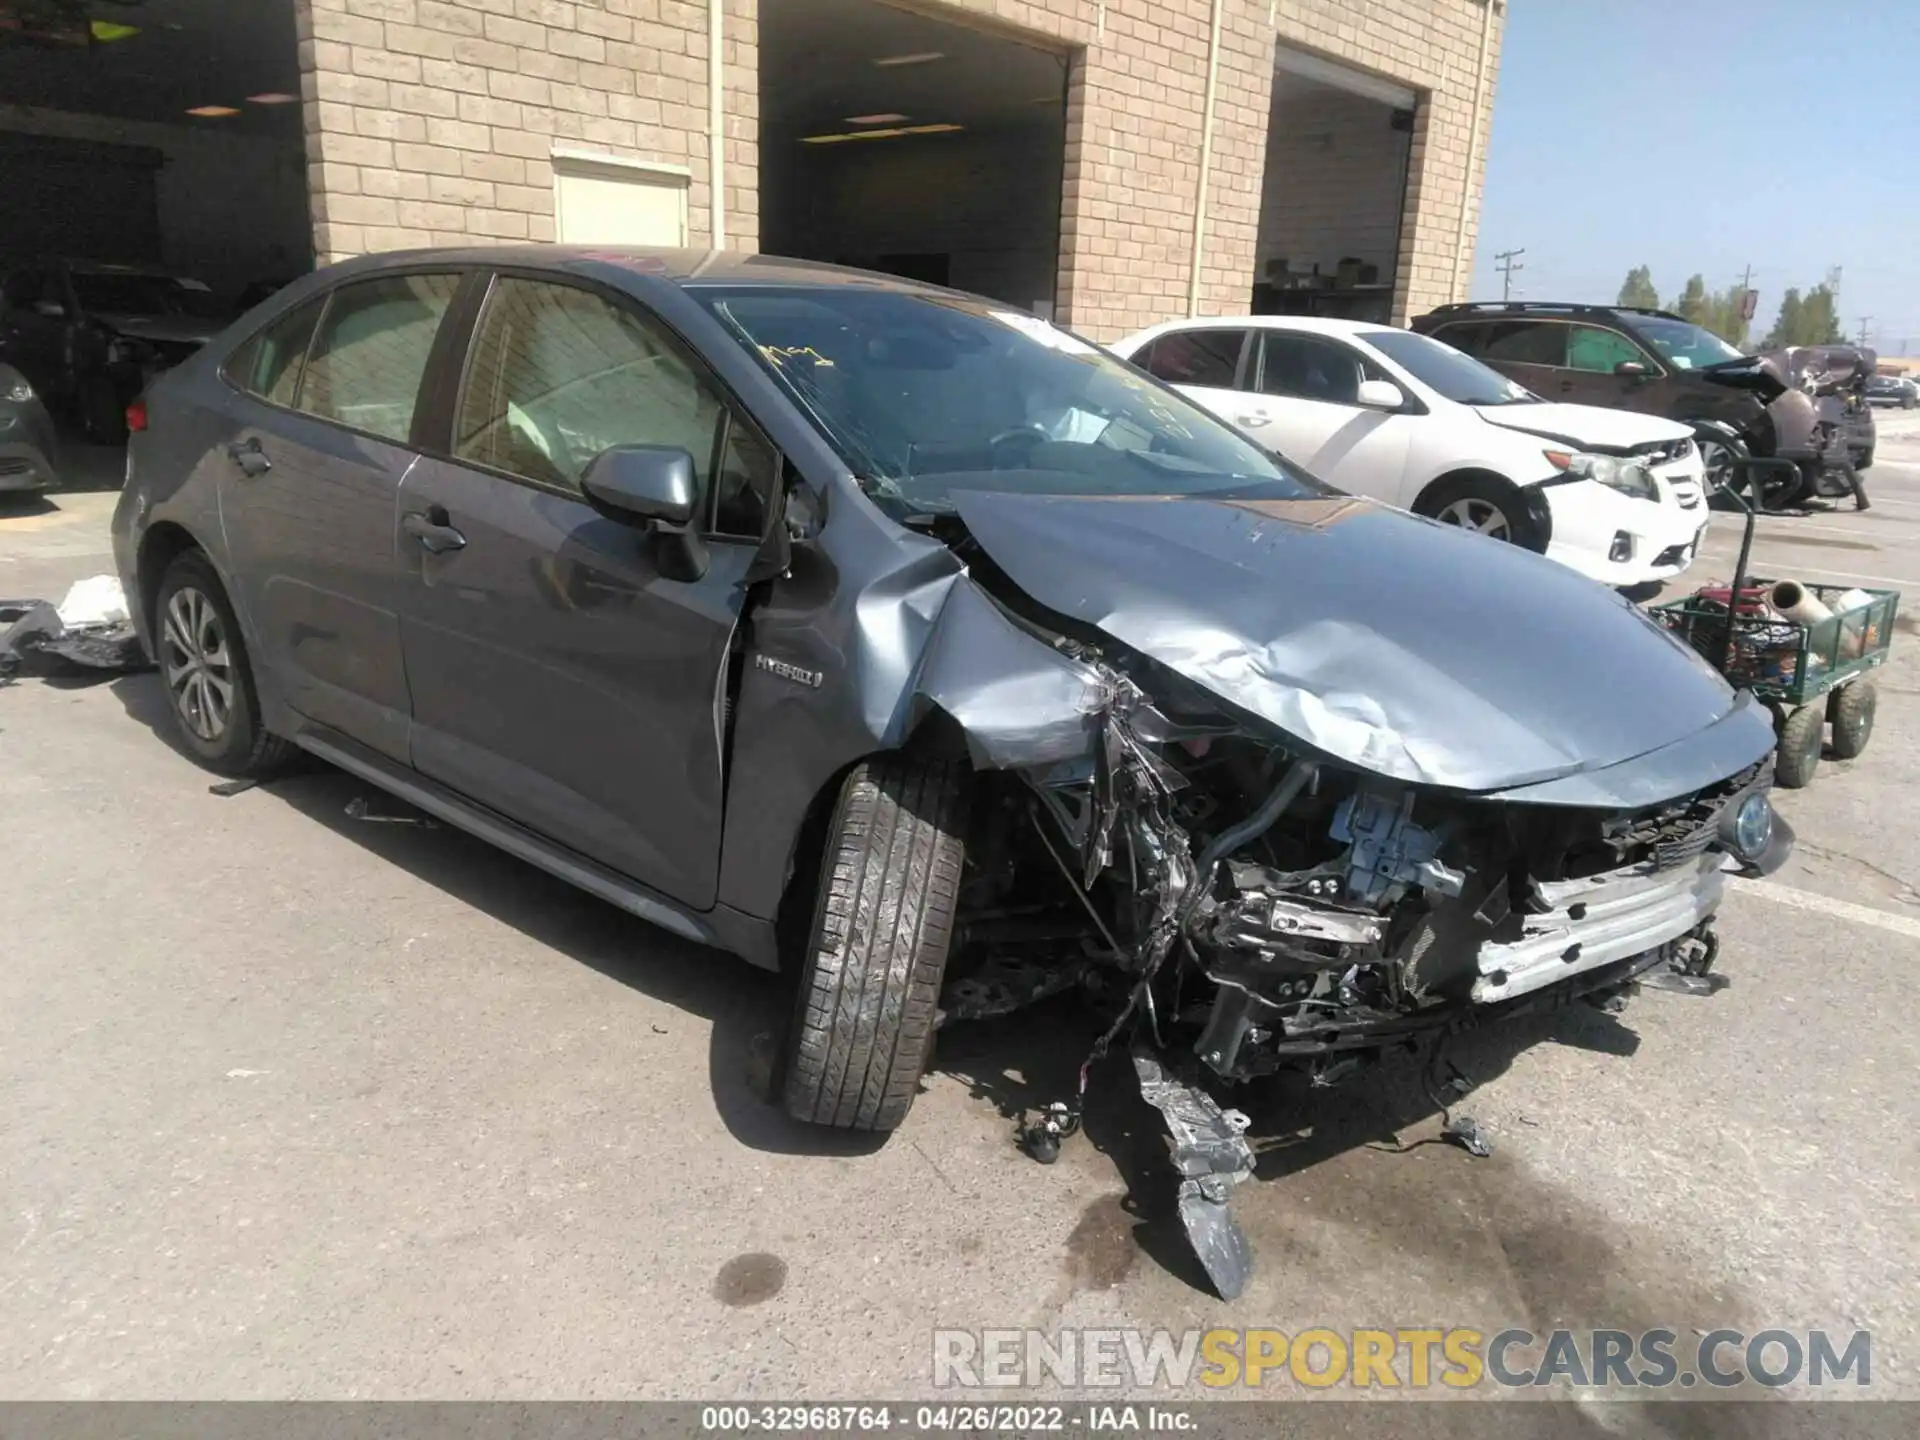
{"points": [[870, 988], [1798, 756], [203, 663], [1483, 504]]}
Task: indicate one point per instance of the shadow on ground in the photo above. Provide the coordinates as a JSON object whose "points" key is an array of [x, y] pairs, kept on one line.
{"points": [[748, 1008]]}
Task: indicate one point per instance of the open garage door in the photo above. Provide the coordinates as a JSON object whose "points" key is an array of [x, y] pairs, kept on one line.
{"points": [[155, 174], [1334, 198], [165, 133], [901, 143]]}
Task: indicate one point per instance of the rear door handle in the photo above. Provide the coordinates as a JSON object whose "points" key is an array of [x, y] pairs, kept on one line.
{"points": [[432, 531], [248, 455], [1256, 418]]}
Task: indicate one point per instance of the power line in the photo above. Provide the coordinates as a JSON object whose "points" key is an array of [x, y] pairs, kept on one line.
{"points": [[1503, 262]]}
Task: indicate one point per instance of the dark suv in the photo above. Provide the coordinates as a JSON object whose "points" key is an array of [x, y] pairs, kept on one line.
{"points": [[1647, 360]]}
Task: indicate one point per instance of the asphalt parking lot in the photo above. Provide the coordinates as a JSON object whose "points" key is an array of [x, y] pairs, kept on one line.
{"points": [[302, 1105]]}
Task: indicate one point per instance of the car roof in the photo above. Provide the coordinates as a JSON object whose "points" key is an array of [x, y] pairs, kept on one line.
{"points": [[684, 268], [1304, 324], [1545, 309]]}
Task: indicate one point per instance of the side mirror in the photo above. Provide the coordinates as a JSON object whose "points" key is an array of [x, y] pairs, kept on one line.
{"points": [[652, 484], [1631, 370], [51, 309], [1381, 395], [643, 482]]}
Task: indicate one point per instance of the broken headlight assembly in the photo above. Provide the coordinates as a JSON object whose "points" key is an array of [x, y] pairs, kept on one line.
{"points": [[1747, 829], [1616, 472]]}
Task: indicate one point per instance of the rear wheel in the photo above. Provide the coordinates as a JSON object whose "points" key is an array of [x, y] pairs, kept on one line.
{"points": [[203, 662], [883, 920], [1851, 710], [1798, 756]]}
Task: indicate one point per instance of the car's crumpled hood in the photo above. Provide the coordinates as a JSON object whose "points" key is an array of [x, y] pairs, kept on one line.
{"points": [[1387, 642], [1584, 425], [169, 329]]}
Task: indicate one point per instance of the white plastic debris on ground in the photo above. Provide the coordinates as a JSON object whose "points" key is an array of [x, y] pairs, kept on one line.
{"points": [[97, 600]]}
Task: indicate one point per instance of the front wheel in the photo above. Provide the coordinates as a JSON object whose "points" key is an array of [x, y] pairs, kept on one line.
{"points": [[1483, 504], [863, 1020], [1798, 756]]}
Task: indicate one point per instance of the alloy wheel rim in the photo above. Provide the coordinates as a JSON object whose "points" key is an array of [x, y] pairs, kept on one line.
{"points": [[1483, 517], [1717, 461], [198, 663]]}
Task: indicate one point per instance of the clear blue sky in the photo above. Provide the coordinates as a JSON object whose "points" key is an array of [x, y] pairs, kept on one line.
{"points": [[1706, 136]]}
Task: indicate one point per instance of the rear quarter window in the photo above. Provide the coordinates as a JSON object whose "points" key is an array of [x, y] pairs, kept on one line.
{"points": [[268, 364]]}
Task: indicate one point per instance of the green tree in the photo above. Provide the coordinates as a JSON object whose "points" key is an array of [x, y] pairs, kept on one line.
{"points": [[1820, 317], [1637, 290], [1692, 304], [1786, 325], [1810, 319], [1721, 312]]}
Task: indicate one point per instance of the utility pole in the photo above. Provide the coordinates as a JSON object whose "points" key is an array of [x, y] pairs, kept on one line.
{"points": [[1863, 330], [1503, 262]]}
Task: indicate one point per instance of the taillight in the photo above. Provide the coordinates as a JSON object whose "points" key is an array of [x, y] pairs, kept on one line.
{"points": [[137, 415]]}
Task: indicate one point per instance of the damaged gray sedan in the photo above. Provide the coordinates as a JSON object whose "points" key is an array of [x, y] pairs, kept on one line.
{"points": [[906, 641]]}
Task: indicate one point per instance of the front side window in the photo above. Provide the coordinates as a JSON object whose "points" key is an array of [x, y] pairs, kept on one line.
{"points": [[924, 395], [1444, 370], [559, 374], [1599, 351], [371, 354], [1307, 367], [1195, 357]]}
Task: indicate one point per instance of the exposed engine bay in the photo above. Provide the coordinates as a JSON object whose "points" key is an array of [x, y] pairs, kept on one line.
{"points": [[1240, 904]]}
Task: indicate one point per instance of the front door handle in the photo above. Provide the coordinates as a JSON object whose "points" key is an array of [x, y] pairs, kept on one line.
{"points": [[432, 531], [1256, 418], [248, 455]]}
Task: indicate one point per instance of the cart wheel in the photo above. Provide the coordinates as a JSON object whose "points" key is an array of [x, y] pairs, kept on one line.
{"points": [[1851, 709], [1799, 753]]}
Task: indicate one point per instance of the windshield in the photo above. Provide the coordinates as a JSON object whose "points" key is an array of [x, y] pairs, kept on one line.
{"points": [[1440, 367], [122, 292], [1686, 346], [924, 395]]}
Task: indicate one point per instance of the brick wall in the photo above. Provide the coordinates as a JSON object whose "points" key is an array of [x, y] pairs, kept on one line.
{"points": [[433, 121]]}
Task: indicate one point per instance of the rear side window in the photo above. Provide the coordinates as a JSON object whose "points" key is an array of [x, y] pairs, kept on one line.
{"points": [[367, 362], [1520, 342], [1591, 348], [268, 365], [1195, 357], [559, 374]]}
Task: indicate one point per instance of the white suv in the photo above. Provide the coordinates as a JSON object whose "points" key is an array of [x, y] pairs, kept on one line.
{"points": [[1408, 420]]}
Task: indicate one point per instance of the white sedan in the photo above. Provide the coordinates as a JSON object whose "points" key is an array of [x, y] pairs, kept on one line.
{"points": [[1405, 419]]}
